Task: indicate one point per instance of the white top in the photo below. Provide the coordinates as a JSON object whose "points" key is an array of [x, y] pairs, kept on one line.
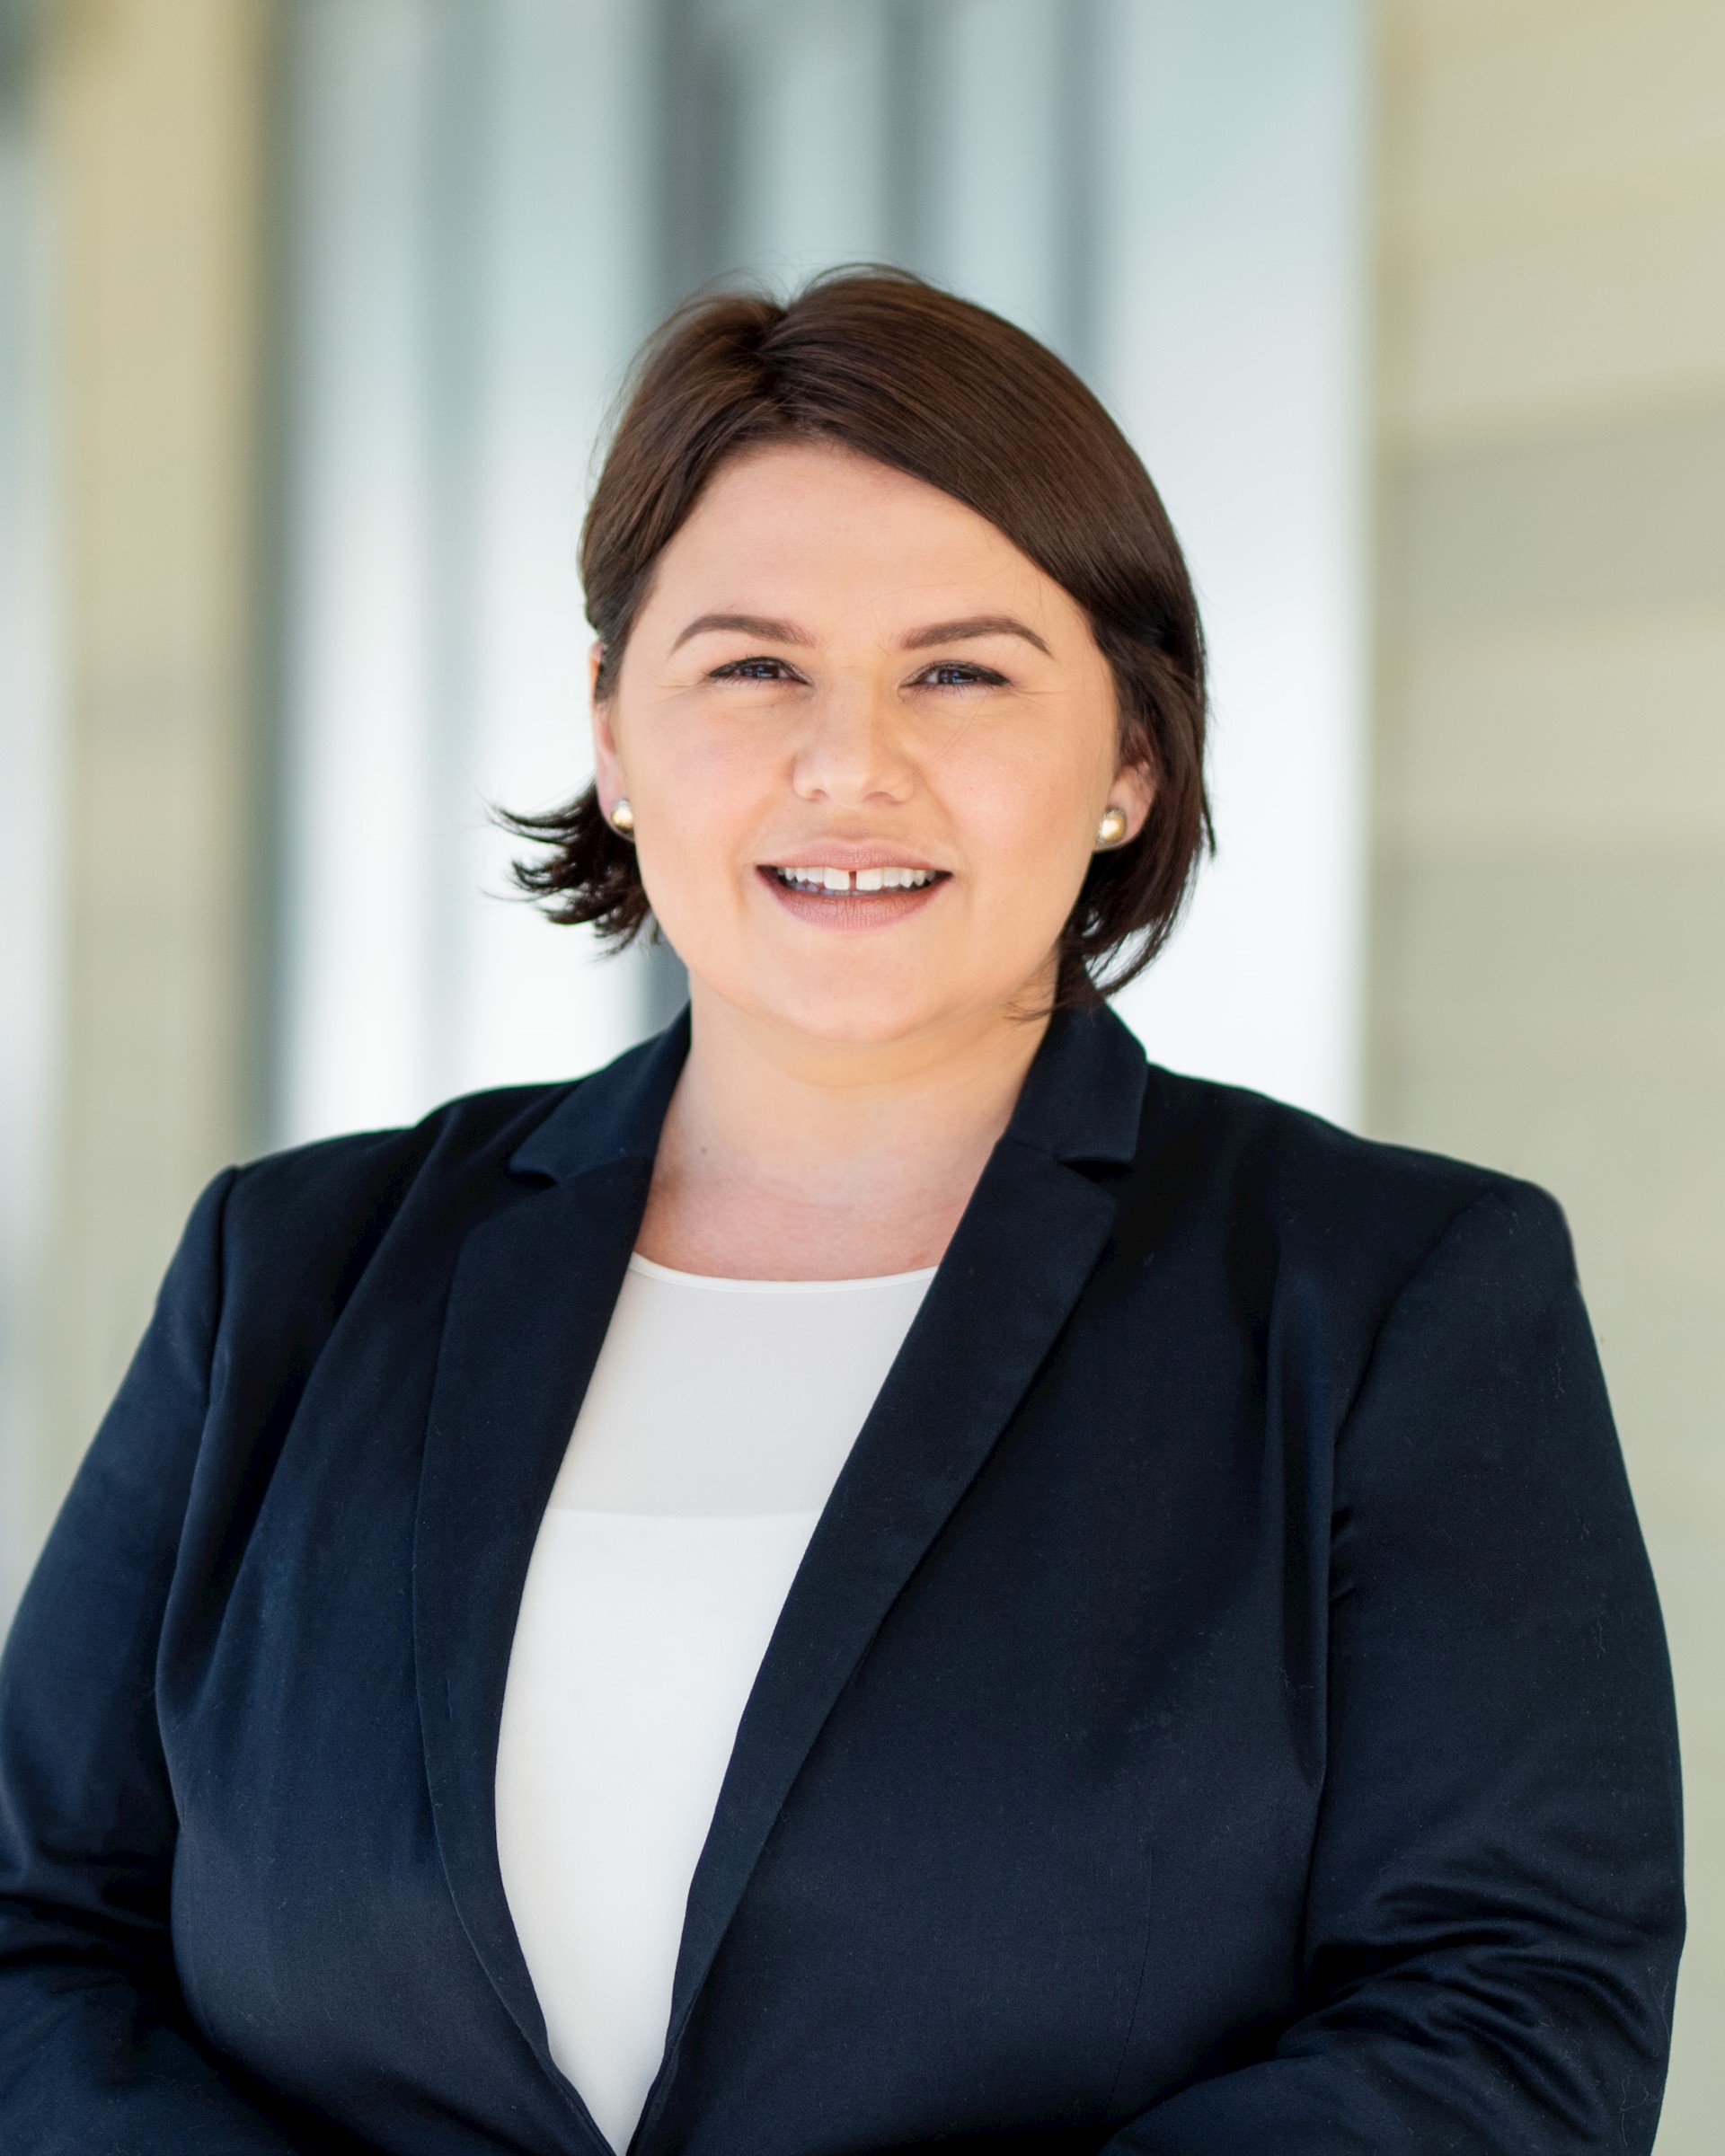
{"points": [[717, 1418]]}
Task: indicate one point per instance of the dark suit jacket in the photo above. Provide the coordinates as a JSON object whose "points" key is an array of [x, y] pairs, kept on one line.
{"points": [[1222, 1707]]}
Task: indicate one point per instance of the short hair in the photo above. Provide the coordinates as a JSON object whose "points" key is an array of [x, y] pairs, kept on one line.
{"points": [[879, 361]]}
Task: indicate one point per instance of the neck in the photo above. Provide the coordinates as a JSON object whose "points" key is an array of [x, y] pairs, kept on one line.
{"points": [[784, 1157]]}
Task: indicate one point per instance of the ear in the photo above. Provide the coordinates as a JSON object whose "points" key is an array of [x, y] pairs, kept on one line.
{"points": [[607, 768], [1135, 790]]}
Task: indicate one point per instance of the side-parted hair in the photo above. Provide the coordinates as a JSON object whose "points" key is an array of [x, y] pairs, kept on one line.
{"points": [[880, 362]]}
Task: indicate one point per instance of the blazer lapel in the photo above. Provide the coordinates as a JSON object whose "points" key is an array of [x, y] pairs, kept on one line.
{"points": [[532, 1296], [530, 1303], [1028, 1243]]}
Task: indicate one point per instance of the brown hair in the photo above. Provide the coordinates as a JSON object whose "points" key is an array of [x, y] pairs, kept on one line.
{"points": [[882, 363]]}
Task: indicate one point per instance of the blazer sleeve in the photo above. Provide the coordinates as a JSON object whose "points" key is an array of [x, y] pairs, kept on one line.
{"points": [[96, 2048], [1494, 1908]]}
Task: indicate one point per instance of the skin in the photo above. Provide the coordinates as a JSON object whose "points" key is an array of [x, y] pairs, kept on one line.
{"points": [[825, 672]]}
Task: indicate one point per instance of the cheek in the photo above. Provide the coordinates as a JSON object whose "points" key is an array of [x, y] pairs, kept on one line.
{"points": [[693, 767], [1023, 802], [701, 791]]}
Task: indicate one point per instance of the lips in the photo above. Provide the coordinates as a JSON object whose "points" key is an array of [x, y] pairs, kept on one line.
{"points": [[841, 882], [841, 896]]}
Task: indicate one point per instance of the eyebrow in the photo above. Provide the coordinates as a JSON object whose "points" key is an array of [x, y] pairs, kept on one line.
{"points": [[940, 632], [981, 624], [746, 625]]}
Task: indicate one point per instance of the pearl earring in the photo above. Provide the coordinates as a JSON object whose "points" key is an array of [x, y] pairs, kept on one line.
{"points": [[1111, 830], [622, 817]]}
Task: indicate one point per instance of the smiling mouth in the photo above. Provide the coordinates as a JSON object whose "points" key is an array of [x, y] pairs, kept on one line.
{"points": [[848, 883], [848, 900]]}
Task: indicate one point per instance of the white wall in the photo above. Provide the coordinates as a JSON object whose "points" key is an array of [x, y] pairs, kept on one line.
{"points": [[30, 809]]}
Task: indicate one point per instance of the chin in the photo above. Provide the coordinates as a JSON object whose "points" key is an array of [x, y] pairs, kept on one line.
{"points": [[858, 1022], [830, 1004], [848, 997]]}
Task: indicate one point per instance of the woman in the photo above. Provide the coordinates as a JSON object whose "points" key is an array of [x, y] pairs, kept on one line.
{"points": [[880, 1572]]}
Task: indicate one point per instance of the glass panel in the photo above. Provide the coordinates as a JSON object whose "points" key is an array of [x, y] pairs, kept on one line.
{"points": [[1231, 268], [467, 270], [359, 742], [1000, 165], [801, 131]]}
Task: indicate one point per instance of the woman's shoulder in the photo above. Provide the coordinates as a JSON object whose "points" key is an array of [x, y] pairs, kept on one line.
{"points": [[470, 1132], [1317, 1200], [471, 1153], [321, 1211]]}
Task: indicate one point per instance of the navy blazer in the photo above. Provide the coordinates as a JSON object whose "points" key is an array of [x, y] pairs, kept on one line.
{"points": [[1223, 1706]]}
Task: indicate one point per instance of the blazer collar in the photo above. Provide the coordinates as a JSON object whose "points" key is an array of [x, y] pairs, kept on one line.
{"points": [[1081, 1100], [615, 1115], [1083, 1097], [529, 1305]]}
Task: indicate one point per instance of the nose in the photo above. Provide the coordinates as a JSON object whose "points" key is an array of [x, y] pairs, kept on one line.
{"points": [[853, 751]]}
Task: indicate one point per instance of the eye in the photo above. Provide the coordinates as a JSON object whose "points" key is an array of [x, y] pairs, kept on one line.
{"points": [[754, 669], [960, 674]]}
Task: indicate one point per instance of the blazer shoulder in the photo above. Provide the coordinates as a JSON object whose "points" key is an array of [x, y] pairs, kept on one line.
{"points": [[339, 1197], [1323, 1193]]}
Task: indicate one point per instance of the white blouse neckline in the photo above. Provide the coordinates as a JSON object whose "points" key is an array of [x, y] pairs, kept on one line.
{"points": [[724, 1284]]}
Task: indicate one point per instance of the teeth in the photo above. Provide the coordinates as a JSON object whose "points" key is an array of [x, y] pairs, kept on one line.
{"points": [[866, 879]]}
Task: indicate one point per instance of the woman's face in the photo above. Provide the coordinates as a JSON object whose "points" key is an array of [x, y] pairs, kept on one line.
{"points": [[867, 743]]}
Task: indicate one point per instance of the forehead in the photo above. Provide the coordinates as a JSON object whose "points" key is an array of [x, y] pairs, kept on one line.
{"points": [[816, 529]]}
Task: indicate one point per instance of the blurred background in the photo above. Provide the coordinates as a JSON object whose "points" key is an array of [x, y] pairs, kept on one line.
{"points": [[310, 315]]}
